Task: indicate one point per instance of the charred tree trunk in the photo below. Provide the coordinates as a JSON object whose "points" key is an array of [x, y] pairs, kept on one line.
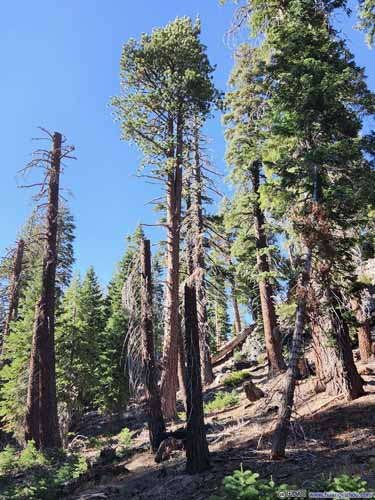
{"points": [[169, 382], [199, 263], [14, 293], [156, 424], [271, 329], [197, 453], [41, 414]]}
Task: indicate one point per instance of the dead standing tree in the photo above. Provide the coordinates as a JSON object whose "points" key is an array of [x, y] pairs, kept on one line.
{"points": [[197, 453], [155, 415], [14, 292], [41, 423]]}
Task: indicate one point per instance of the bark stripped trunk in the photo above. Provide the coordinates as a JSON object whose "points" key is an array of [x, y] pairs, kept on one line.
{"points": [[197, 453], [280, 434], [336, 370], [169, 380], [14, 293], [282, 427], [199, 264], [156, 424], [236, 312], [271, 329], [41, 415]]}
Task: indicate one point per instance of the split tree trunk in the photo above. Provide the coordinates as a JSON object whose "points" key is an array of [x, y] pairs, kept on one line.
{"points": [[156, 425], [41, 415], [169, 381], [271, 329], [197, 453], [200, 268], [14, 293]]}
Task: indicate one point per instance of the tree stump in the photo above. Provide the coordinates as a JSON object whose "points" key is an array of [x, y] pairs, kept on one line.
{"points": [[253, 393]]}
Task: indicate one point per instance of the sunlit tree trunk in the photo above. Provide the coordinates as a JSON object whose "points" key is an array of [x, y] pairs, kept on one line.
{"points": [[41, 413]]}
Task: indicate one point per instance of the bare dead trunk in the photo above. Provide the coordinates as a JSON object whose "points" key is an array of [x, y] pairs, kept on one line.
{"points": [[280, 435], [14, 293], [169, 381], [156, 425], [200, 267], [41, 423], [271, 329], [197, 453], [236, 312]]}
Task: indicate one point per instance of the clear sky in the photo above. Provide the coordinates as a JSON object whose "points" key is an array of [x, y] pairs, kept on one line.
{"points": [[60, 66]]}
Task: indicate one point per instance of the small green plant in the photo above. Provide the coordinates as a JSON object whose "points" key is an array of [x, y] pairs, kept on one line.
{"points": [[236, 378], [345, 482], [94, 442], [125, 438], [181, 415], [246, 485], [222, 401], [31, 457], [8, 460]]}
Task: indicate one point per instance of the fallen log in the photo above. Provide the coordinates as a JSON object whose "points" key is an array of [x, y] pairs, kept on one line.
{"points": [[228, 349]]}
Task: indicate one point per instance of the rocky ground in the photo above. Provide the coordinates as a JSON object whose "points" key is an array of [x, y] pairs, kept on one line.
{"points": [[328, 436]]}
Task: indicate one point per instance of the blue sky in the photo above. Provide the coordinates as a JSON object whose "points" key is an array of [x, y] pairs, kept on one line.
{"points": [[60, 66]]}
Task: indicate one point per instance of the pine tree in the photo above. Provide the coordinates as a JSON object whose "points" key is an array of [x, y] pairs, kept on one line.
{"points": [[316, 93], [166, 81], [91, 319], [114, 363], [367, 19], [14, 376]]}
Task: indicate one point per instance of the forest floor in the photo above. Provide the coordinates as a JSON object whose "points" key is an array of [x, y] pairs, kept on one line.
{"points": [[328, 437]]}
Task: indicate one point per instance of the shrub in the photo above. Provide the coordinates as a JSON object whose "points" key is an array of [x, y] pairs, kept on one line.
{"points": [[125, 438], [246, 485], [44, 476], [31, 457], [236, 378], [8, 459], [222, 400]]}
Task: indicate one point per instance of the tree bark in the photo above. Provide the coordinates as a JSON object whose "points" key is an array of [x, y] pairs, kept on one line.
{"points": [[271, 329], [282, 427], [336, 371], [41, 414], [364, 330], [14, 294], [169, 381], [236, 312], [200, 268], [156, 423], [197, 453]]}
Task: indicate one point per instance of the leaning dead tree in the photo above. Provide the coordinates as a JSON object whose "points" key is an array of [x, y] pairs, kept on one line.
{"points": [[197, 453], [14, 292], [156, 423], [41, 423]]}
